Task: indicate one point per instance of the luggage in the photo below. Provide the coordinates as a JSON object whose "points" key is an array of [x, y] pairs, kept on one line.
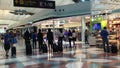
{"points": [[99, 45], [28, 48], [55, 47], [60, 47], [44, 48], [108, 50], [13, 51], [114, 49]]}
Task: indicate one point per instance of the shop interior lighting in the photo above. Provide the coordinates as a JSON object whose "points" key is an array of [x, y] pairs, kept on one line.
{"points": [[92, 19], [76, 1], [110, 25], [82, 0], [30, 22]]}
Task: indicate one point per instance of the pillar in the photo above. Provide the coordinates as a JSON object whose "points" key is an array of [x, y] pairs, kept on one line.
{"points": [[54, 29], [83, 29]]}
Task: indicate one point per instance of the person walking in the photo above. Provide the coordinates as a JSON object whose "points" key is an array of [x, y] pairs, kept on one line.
{"points": [[27, 38], [60, 39], [65, 35], [7, 42], [34, 40], [70, 38], [13, 44], [74, 37], [50, 39], [40, 39], [86, 36], [104, 34]]}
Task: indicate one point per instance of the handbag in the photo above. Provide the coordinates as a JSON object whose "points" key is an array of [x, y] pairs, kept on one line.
{"points": [[14, 45], [70, 37]]}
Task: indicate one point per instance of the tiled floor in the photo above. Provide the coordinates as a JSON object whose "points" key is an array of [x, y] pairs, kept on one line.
{"points": [[91, 57]]}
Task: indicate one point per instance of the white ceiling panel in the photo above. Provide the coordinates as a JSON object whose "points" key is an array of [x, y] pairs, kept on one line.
{"points": [[103, 6], [6, 6], [9, 22], [98, 6]]}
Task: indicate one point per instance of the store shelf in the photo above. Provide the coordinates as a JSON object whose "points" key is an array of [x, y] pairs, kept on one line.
{"points": [[114, 39]]}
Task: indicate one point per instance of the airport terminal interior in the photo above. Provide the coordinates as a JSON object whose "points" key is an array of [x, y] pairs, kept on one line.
{"points": [[62, 42]]}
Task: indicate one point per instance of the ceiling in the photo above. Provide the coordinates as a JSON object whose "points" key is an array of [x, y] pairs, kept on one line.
{"points": [[66, 20], [12, 20], [104, 6], [9, 19]]}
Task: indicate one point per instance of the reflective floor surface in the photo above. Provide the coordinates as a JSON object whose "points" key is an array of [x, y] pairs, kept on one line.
{"points": [[78, 57]]}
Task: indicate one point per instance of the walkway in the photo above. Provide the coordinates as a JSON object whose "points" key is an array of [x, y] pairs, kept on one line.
{"points": [[70, 58]]}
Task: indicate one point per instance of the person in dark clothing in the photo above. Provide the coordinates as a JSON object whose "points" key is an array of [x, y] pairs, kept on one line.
{"points": [[70, 38], [40, 39], [50, 38], [60, 38], [34, 40], [86, 36], [7, 42], [65, 35], [13, 44], [104, 34], [27, 38]]}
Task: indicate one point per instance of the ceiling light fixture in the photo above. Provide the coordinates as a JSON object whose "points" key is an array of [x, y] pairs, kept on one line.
{"points": [[21, 12], [76, 1]]}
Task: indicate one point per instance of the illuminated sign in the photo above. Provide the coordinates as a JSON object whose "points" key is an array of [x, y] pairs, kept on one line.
{"points": [[35, 3]]}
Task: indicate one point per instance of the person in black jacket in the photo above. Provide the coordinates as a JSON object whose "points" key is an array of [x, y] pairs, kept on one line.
{"points": [[60, 39], [86, 36], [40, 39], [27, 38], [70, 38], [50, 38]]}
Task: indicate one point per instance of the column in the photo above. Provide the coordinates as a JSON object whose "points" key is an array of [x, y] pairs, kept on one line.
{"points": [[40, 26], [83, 29], [106, 16], [91, 23], [54, 29], [53, 24]]}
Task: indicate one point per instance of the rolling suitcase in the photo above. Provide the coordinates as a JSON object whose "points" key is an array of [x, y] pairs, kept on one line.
{"points": [[13, 51], [55, 47], [28, 48], [44, 48], [114, 49], [60, 47]]}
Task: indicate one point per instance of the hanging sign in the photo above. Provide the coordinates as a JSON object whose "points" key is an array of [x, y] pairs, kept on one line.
{"points": [[35, 3]]}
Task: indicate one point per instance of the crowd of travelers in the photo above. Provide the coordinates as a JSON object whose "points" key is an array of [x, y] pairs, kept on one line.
{"points": [[35, 40], [51, 36], [44, 41]]}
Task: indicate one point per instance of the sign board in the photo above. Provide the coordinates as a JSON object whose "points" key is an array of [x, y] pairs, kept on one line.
{"points": [[35, 4]]}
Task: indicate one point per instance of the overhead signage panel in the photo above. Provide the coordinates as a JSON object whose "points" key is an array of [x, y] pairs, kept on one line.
{"points": [[35, 4]]}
